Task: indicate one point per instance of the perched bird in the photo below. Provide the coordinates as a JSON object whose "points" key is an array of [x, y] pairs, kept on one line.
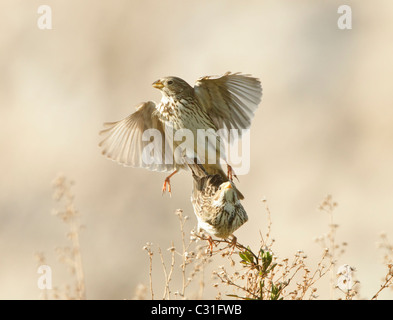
{"points": [[216, 204], [225, 102]]}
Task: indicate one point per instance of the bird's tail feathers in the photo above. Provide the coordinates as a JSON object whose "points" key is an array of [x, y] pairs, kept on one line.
{"points": [[197, 169]]}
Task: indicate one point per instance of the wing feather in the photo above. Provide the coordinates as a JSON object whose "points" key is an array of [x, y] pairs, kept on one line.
{"points": [[123, 140], [231, 100]]}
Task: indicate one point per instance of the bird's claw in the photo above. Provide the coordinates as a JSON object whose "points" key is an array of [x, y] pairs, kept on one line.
{"points": [[167, 183], [231, 173], [211, 244], [233, 244]]}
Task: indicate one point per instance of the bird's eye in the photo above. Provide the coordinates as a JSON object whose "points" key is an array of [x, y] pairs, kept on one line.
{"points": [[170, 82]]}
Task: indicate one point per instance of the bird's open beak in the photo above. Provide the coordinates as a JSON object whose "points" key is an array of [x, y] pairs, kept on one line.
{"points": [[158, 84], [228, 186]]}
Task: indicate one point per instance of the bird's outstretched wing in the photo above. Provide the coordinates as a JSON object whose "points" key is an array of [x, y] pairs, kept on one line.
{"points": [[230, 100], [139, 140]]}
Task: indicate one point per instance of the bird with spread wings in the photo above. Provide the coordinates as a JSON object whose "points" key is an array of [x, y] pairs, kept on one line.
{"points": [[225, 102]]}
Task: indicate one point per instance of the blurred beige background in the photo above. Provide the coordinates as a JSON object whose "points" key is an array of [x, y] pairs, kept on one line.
{"points": [[325, 126]]}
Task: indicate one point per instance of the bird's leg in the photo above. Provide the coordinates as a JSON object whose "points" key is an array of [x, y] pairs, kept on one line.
{"points": [[233, 243], [211, 243], [231, 173], [167, 182]]}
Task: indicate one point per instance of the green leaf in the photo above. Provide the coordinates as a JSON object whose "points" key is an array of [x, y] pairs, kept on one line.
{"points": [[242, 256], [261, 285], [267, 258], [271, 267], [247, 256], [275, 293]]}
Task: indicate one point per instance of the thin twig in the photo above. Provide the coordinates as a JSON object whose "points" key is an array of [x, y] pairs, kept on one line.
{"points": [[387, 284]]}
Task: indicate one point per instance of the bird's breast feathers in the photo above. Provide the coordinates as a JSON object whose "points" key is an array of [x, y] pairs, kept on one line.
{"points": [[183, 113], [166, 108], [228, 207]]}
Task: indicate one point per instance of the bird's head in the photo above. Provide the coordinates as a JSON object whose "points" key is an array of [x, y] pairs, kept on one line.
{"points": [[226, 193], [172, 86]]}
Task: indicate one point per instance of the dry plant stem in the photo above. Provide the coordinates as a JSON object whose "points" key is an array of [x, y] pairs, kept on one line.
{"points": [[147, 247], [328, 206], [228, 242], [151, 276], [201, 283], [182, 220], [231, 283], [387, 248], [319, 272], [70, 216], [387, 284], [262, 275], [269, 227], [332, 255], [254, 292], [183, 237], [187, 258], [168, 276], [77, 258]]}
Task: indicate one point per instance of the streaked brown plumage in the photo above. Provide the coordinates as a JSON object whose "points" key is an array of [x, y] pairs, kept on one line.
{"points": [[216, 204], [226, 102]]}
